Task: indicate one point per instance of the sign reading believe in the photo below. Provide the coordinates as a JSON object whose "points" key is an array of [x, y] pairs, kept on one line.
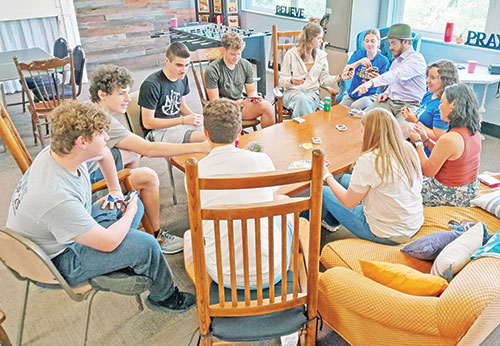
{"points": [[290, 11], [480, 39]]}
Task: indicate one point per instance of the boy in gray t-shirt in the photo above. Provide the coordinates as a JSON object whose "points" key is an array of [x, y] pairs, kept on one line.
{"points": [[52, 206], [227, 76], [109, 88]]}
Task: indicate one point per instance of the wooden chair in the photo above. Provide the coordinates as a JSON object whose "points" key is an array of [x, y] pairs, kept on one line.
{"points": [[4, 338], [49, 84], [282, 42], [28, 262], [200, 58], [15, 144], [228, 313], [133, 116]]}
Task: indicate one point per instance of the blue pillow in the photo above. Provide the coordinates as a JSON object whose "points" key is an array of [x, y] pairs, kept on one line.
{"points": [[429, 247]]}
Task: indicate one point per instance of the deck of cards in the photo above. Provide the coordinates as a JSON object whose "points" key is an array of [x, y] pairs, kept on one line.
{"points": [[341, 127], [316, 140]]}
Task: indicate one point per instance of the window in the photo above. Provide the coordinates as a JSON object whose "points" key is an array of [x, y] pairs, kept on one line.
{"points": [[313, 8], [431, 16]]}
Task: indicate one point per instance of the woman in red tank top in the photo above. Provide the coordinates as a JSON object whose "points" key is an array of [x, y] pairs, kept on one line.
{"points": [[452, 167]]}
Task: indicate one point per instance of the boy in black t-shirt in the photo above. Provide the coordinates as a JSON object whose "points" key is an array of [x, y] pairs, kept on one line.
{"points": [[165, 116]]}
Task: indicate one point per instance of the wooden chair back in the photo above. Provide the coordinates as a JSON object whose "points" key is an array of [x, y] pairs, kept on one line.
{"points": [[13, 141], [199, 58], [4, 338], [133, 114], [282, 42], [53, 81], [202, 57], [302, 293]]}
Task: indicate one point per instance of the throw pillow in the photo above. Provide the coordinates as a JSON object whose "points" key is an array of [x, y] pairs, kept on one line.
{"points": [[491, 249], [489, 202], [457, 253], [428, 247], [403, 278]]}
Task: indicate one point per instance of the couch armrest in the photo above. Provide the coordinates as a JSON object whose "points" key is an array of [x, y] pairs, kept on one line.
{"points": [[469, 294], [350, 301]]}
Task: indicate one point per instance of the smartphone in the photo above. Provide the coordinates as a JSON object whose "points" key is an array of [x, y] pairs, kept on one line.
{"points": [[488, 180]]}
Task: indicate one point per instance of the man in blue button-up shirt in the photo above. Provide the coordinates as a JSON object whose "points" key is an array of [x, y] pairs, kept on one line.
{"points": [[406, 77]]}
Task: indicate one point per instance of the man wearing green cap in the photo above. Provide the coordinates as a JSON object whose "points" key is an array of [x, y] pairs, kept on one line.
{"points": [[406, 77]]}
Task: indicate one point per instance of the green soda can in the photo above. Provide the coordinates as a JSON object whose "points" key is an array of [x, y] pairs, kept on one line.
{"points": [[327, 104]]}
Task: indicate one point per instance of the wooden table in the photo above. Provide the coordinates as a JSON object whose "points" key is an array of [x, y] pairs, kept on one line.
{"points": [[281, 142]]}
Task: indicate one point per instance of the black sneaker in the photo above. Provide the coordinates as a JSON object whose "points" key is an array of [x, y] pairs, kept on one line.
{"points": [[176, 303]]}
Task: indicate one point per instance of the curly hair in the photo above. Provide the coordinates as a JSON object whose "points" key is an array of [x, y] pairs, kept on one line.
{"points": [[107, 78], [231, 40], [222, 120], [73, 119], [447, 71], [466, 110]]}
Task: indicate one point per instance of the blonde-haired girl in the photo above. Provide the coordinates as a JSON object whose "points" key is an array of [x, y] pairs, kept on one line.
{"points": [[381, 201]]}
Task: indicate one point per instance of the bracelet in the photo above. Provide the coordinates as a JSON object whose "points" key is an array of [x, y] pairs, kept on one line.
{"points": [[326, 176], [182, 120], [418, 143]]}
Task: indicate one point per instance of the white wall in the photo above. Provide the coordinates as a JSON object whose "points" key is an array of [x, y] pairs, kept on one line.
{"points": [[62, 9]]}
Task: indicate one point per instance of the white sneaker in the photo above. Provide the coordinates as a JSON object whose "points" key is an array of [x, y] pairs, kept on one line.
{"points": [[290, 340], [329, 228], [171, 243]]}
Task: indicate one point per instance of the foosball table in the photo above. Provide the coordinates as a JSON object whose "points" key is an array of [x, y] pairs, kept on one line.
{"points": [[202, 36]]}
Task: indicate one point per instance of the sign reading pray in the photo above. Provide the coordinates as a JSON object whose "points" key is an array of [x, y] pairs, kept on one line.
{"points": [[480, 39], [290, 11]]}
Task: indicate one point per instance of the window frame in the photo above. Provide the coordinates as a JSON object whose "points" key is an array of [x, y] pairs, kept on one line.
{"points": [[492, 19]]}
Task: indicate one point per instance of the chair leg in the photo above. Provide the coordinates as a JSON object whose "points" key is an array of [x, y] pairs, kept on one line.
{"points": [[23, 314], [172, 182], [139, 302], [91, 299], [24, 101]]}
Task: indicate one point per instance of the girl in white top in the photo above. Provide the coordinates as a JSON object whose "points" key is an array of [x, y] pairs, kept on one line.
{"points": [[381, 201], [303, 70]]}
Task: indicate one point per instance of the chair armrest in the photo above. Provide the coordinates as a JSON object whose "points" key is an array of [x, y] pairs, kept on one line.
{"points": [[101, 184], [330, 90], [346, 295]]}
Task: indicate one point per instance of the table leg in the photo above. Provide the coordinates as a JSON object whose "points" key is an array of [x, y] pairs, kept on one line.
{"points": [[482, 109]]}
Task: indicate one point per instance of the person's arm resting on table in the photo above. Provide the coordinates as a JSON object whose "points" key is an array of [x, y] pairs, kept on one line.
{"points": [[143, 147]]}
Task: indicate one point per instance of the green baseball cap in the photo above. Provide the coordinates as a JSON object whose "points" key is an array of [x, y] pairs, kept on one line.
{"points": [[399, 31]]}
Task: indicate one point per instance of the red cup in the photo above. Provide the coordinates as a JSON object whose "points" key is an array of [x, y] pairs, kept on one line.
{"points": [[448, 33], [174, 22], [471, 66], [218, 19]]}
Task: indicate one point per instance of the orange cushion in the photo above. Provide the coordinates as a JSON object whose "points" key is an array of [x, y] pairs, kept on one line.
{"points": [[403, 278]]}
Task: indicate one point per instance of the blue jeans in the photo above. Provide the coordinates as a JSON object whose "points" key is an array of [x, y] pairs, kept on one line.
{"points": [[96, 175], [301, 103], [139, 251], [353, 219]]}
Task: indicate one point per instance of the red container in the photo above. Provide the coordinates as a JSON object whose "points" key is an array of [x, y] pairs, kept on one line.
{"points": [[448, 33], [218, 19]]}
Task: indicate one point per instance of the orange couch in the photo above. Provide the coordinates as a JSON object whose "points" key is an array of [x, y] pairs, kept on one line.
{"points": [[365, 312]]}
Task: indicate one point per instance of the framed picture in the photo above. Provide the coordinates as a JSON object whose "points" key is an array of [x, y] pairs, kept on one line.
{"points": [[203, 7], [233, 21], [217, 6], [204, 18], [232, 6]]}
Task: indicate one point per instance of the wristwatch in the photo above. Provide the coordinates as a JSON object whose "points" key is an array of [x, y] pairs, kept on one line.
{"points": [[418, 143]]}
